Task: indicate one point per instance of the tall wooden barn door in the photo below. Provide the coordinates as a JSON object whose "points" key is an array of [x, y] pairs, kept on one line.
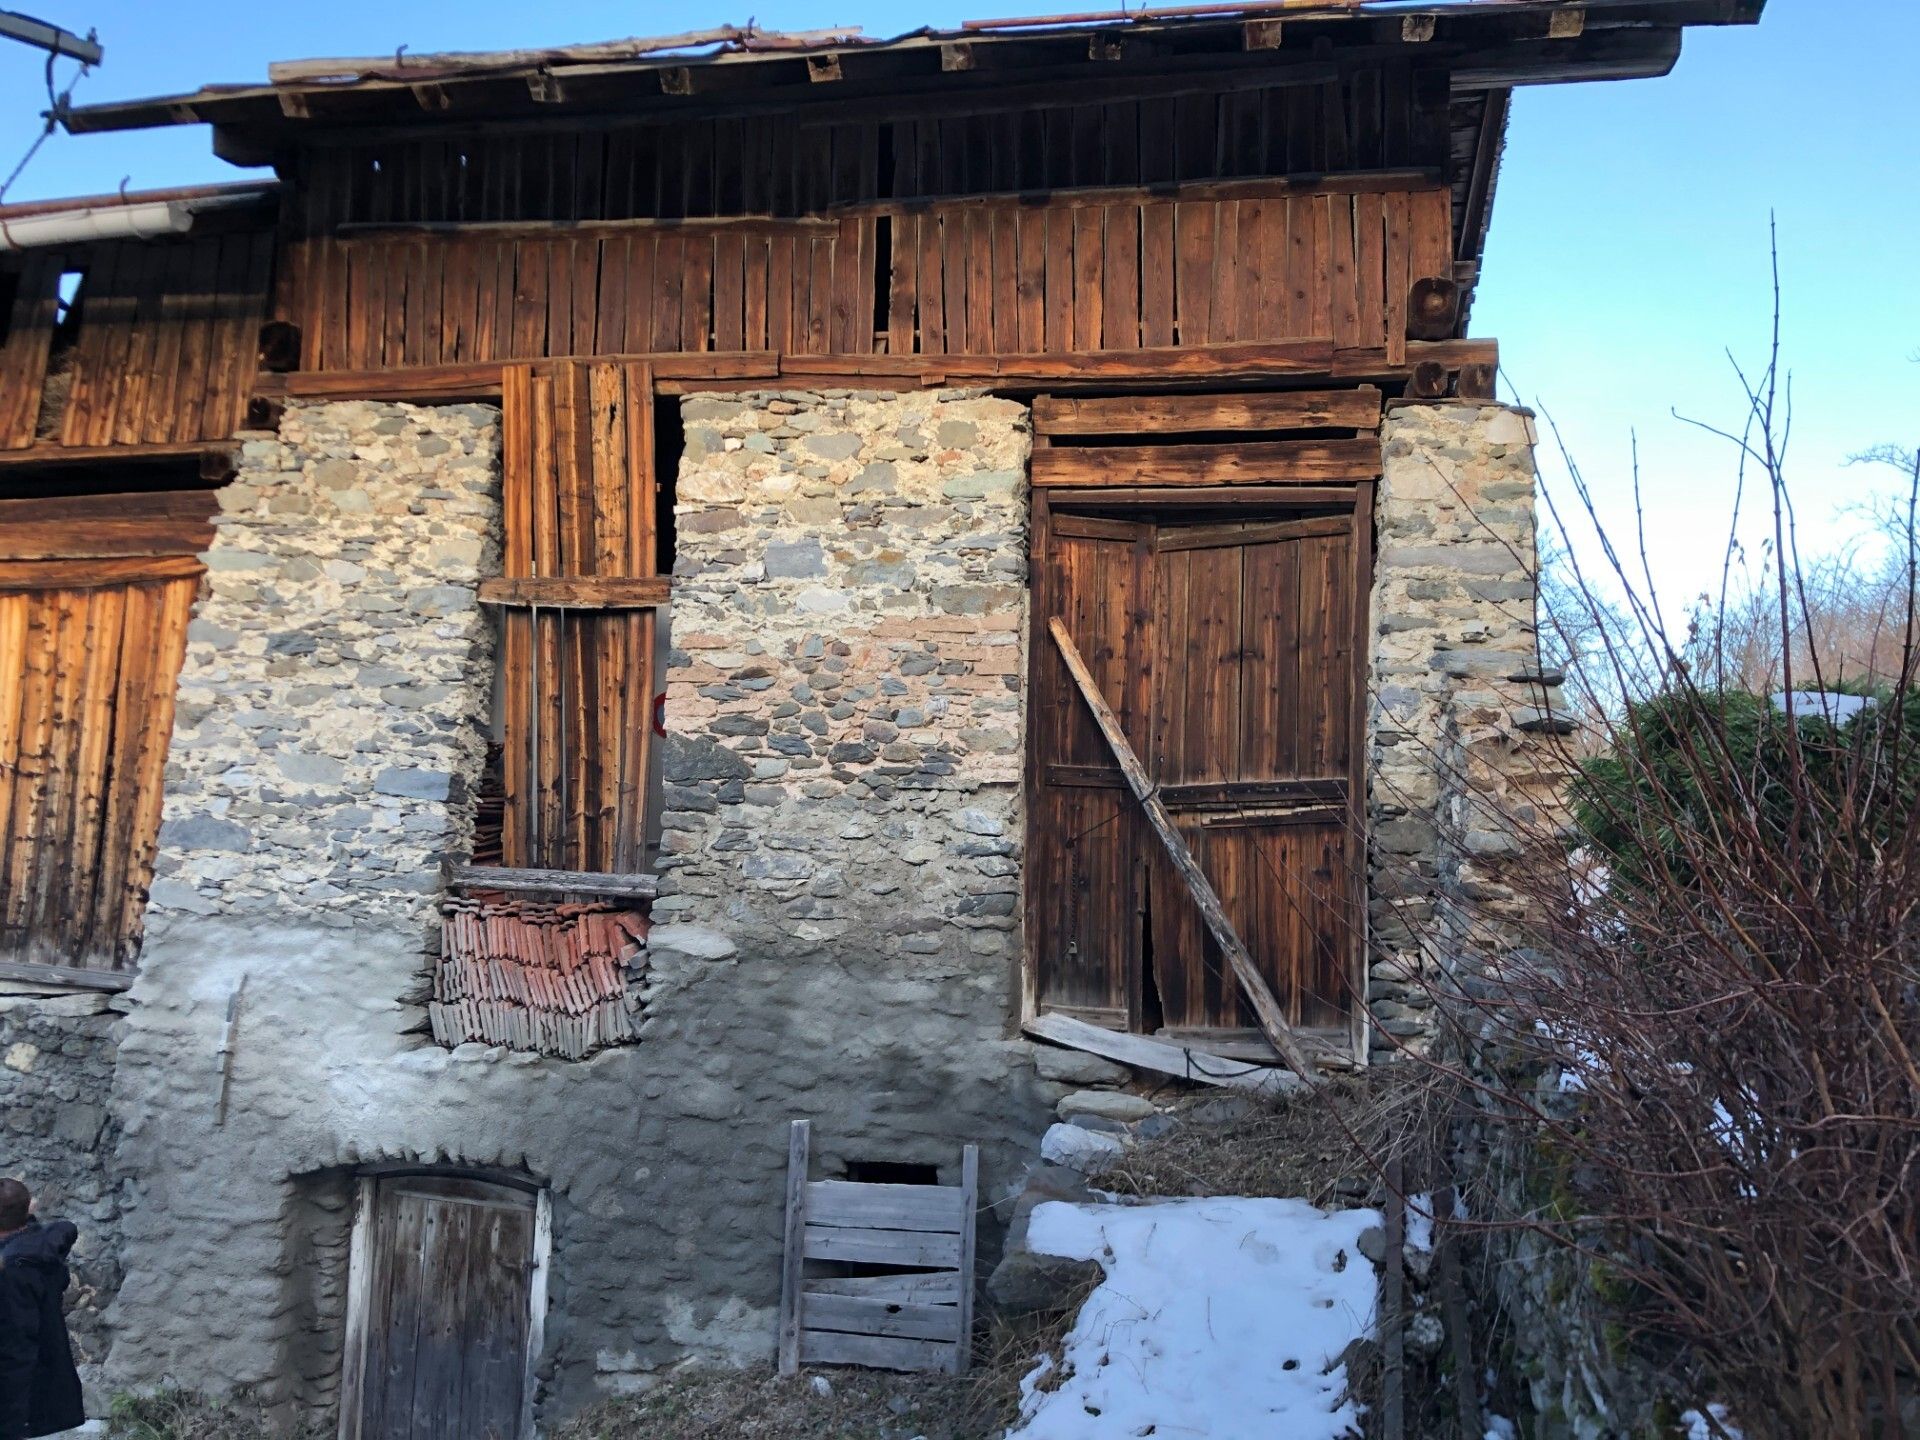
{"points": [[1227, 647], [448, 1311]]}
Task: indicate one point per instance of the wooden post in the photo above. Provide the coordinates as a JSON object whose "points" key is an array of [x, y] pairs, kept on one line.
{"points": [[1273, 1023], [970, 1201], [1393, 1335], [793, 1264]]}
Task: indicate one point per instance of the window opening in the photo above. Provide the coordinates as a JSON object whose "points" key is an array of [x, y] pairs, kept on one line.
{"points": [[892, 1172]]}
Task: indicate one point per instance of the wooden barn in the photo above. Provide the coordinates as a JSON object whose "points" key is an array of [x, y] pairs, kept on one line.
{"points": [[619, 595]]}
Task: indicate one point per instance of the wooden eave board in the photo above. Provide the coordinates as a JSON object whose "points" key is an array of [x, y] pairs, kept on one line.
{"points": [[259, 106]]}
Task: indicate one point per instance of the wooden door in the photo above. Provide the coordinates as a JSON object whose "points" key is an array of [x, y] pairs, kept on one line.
{"points": [[1084, 920], [449, 1311], [1234, 671]]}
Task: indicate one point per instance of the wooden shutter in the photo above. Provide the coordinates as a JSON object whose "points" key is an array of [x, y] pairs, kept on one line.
{"points": [[576, 669], [86, 711]]}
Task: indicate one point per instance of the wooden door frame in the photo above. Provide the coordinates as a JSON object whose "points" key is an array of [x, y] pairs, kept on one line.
{"points": [[353, 1350], [1360, 497]]}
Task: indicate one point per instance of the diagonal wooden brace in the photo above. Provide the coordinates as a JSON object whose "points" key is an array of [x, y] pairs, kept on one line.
{"points": [[1273, 1023]]}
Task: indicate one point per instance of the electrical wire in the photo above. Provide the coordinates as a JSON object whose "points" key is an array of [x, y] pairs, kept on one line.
{"points": [[58, 106]]}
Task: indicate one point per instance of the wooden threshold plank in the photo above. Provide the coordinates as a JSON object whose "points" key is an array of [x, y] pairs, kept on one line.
{"points": [[1162, 1056]]}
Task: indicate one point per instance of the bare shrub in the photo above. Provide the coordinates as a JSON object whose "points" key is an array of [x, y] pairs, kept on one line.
{"points": [[1721, 956]]}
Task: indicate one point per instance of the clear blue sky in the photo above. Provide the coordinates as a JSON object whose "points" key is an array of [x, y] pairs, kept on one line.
{"points": [[1629, 245]]}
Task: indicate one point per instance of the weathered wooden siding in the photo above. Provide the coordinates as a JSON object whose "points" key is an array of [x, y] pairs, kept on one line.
{"points": [[1113, 272], [161, 347], [93, 643], [577, 659], [1006, 137]]}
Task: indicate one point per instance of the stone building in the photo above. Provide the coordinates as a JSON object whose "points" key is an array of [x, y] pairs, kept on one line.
{"points": [[536, 662]]}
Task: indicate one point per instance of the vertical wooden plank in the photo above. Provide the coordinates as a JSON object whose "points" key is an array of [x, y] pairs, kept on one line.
{"points": [[669, 279], [1430, 225], [696, 295], [1271, 640], [729, 291], [48, 862], [1370, 267], [969, 1212], [158, 423], [1342, 273], [1226, 272], [1258, 304], [1156, 275], [782, 275], [1005, 288], [1193, 240], [849, 321], [70, 915], [1031, 280], [124, 388], [169, 644], [16, 615], [1312, 211], [25, 345], [1089, 270], [560, 279], [1120, 291], [640, 293], [28, 762], [517, 706], [134, 686], [980, 296], [953, 274], [1307, 285], [819, 334], [1399, 278], [793, 1260], [932, 283], [903, 272], [610, 329], [529, 340], [754, 284]]}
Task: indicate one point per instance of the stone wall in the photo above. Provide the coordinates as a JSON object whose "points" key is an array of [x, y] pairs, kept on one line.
{"points": [[1456, 772], [334, 703], [56, 1068], [846, 680]]}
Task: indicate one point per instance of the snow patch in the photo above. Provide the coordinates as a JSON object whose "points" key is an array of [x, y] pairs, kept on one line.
{"points": [[1222, 1318], [1699, 1429]]}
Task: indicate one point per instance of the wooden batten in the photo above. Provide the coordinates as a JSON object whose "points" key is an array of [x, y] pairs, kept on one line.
{"points": [[1242, 463]]}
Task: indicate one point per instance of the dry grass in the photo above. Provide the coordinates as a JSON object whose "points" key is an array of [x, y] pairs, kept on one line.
{"points": [[182, 1415], [1329, 1147], [715, 1403]]}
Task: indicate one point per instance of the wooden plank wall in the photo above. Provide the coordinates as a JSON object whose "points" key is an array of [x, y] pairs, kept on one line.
{"points": [[577, 683], [962, 278], [94, 643], [793, 164], [161, 348]]}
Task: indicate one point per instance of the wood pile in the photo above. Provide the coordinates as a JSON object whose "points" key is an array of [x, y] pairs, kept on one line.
{"points": [[547, 978]]}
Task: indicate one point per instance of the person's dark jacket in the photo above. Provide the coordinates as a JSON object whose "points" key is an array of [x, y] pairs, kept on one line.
{"points": [[39, 1387]]}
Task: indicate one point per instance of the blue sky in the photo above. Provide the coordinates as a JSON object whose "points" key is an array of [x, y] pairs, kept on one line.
{"points": [[1629, 247]]}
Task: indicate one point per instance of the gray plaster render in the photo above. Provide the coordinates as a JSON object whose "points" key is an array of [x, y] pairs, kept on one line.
{"points": [[834, 953]]}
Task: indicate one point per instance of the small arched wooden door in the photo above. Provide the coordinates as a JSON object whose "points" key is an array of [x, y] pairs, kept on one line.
{"points": [[448, 1293]]}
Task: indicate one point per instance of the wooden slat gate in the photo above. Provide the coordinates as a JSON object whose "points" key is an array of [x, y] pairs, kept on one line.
{"points": [[914, 1310], [1226, 633]]}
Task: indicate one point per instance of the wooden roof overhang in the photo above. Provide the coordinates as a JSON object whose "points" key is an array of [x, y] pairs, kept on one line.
{"points": [[1485, 46]]}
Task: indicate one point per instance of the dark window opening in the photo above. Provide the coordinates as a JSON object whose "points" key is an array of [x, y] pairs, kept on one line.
{"points": [[892, 1172], [70, 303], [883, 276], [9, 297], [668, 437]]}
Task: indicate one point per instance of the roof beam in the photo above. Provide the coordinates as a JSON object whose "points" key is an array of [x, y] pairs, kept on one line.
{"points": [[51, 38]]}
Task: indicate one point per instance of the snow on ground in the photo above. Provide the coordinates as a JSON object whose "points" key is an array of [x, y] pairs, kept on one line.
{"points": [[1699, 1429], [1219, 1318]]}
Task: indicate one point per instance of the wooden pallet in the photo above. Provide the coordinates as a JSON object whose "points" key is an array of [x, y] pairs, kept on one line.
{"points": [[915, 1315]]}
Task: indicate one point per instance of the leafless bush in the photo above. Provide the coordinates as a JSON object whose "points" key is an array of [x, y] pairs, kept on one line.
{"points": [[1724, 964]]}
